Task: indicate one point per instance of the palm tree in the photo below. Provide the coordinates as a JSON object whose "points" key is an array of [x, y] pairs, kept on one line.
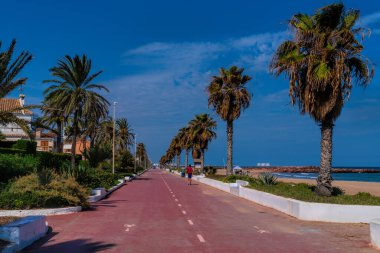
{"points": [[201, 132], [9, 70], [53, 120], [228, 96], [322, 62], [184, 137], [176, 148], [73, 92], [140, 152], [124, 134]]}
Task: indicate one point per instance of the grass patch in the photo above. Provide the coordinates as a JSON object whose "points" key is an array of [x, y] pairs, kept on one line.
{"points": [[303, 192]]}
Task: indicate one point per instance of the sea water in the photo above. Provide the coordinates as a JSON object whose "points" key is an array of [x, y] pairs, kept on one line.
{"points": [[361, 177]]}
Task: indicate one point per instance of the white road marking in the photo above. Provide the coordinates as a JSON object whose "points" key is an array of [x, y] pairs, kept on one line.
{"points": [[173, 196], [128, 226], [200, 238], [190, 222], [179, 205], [176, 200], [184, 212], [261, 231]]}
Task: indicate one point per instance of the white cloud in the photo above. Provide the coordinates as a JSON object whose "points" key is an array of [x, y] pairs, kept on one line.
{"points": [[370, 19]]}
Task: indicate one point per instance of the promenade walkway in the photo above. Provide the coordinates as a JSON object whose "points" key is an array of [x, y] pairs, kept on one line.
{"points": [[159, 212]]}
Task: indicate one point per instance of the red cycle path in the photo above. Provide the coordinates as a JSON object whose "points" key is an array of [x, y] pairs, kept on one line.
{"points": [[159, 212]]}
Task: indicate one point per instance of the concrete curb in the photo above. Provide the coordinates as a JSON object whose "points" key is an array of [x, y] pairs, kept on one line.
{"points": [[47, 212], [23, 232], [375, 233]]}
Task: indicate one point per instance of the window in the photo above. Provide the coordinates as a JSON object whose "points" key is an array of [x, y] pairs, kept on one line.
{"points": [[44, 144]]}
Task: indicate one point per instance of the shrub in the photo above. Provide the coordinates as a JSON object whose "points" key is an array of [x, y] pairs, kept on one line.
{"points": [[12, 166], [6, 144], [98, 178], [43, 190], [209, 170], [28, 146], [267, 178], [12, 151], [55, 160]]}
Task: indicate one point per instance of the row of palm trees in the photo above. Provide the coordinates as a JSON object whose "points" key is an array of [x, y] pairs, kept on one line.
{"points": [[196, 137], [72, 104], [322, 62]]}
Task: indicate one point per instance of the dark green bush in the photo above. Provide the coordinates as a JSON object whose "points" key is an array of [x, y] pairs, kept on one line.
{"points": [[12, 151], [55, 160], [29, 146], [6, 144], [98, 178], [43, 190], [12, 166]]}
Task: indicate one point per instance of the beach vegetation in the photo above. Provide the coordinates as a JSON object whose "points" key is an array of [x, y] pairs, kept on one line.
{"points": [[303, 192]]}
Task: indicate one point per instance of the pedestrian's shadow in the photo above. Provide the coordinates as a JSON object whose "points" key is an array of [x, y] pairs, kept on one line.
{"points": [[78, 245]]}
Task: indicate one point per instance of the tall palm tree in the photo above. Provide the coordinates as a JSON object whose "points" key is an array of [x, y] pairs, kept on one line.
{"points": [[184, 137], [9, 70], [140, 152], [322, 62], [201, 132], [73, 92], [124, 134], [228, 96], [176, 148], [53, 120]]}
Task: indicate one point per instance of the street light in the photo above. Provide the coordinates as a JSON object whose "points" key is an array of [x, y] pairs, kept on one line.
{"points": [[135, 153], [113, 138]]}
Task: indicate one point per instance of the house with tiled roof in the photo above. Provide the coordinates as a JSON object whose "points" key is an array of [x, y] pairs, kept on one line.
{"points": [[46, 140], [11, 131]]}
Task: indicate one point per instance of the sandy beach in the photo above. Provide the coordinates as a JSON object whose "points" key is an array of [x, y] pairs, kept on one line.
{"points": [[349, 187]]}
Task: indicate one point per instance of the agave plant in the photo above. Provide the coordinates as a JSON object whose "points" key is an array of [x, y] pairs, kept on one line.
{"points": [[267, 178]]}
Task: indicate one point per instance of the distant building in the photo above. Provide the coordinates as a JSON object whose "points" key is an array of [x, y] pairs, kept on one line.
{"points": [[11, 131], [80, 147], [46, 141]]}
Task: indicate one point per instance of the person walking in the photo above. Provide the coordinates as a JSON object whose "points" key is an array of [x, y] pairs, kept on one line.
{"points": [[189, 171]]}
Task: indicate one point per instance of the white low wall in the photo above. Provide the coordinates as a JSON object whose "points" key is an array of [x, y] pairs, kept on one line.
{"points": [[25, 231], [97, 194], [299, 209], [120, 184], [375, 233], [47, 212], [214, 183]]}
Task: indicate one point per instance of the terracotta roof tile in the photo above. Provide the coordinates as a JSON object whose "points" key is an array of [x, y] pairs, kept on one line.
{"points": [[9, 104]]}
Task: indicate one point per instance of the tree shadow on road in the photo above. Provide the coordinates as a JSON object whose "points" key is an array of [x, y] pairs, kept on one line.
{"points": [[77, 246]]}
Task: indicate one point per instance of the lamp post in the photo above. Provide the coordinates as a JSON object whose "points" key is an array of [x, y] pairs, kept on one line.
{"points": [[135, 153], [113, 137]]}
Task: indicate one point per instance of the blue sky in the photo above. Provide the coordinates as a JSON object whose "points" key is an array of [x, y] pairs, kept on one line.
{"points": [[158, 57]]}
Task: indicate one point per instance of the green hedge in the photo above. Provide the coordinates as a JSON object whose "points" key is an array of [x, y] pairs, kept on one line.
{"points": [[55, 160], [12, 151], [12, 166], [30, 147], [7, 144], [95, 178]]}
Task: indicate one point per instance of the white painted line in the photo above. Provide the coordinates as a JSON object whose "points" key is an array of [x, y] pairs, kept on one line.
{"points": [[173, 196], [190, 222], [184, 212], [200, 238], [179, 205], [176, 200]]}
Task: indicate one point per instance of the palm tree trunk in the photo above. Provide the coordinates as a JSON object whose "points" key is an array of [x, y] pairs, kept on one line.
{"points": [[187, 158], [324, 179], [202, 161], [229, 147], [59, 137], [73, 145], [178, 160]]}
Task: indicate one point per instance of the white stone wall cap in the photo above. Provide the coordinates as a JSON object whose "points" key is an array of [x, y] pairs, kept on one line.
{"points": [[46, 212]]}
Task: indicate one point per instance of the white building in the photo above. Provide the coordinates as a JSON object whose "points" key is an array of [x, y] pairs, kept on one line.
{"points": [[12, 132]]}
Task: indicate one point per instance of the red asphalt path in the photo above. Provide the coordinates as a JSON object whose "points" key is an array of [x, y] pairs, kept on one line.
{"points": [[159, 212]]}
